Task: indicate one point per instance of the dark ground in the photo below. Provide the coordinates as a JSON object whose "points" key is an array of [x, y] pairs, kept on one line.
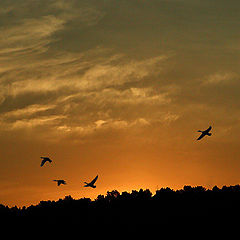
{"points": [[191, 211]]}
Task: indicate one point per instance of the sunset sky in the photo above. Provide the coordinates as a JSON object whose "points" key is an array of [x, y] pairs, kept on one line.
{"points": [[117, 88]]}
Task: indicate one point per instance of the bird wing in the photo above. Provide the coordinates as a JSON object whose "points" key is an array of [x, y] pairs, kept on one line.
{"points": [[46, 158], [209, 129], [94, 180], [58, 182], [201, 136], [43, 161]]}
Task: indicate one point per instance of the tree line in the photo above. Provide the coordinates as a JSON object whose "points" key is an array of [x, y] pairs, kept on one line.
{"points": [[139, 207]]}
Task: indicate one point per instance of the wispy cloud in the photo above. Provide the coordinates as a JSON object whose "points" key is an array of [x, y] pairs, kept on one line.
{"points": [[220, 78], [29, 35], [31, 123], [94, 88], [73, 83], [33, 26], [132, 96], [78, 74], [85, 13], [27, 111]]}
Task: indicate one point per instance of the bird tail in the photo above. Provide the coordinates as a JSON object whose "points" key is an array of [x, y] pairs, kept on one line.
{"points": [[199, 131]]}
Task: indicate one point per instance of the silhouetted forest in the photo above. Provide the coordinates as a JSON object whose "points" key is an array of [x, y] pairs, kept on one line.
{"points": [[138, 208]]}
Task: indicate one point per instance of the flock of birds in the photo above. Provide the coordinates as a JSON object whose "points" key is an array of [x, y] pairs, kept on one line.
{"points": [[61, 181], [91, 184]]}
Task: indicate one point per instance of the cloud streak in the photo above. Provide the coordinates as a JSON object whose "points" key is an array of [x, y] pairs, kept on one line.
{"points": [[220, 78], [72, 84], [30, 35]]}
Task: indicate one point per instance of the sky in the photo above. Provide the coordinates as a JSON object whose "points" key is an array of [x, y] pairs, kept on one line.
{"points": [[117, 88]]}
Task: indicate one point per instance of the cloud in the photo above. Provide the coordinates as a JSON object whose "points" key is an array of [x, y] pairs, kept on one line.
{"points": [[85, 13], [117, 97], [220, 78], [30, 123], [27, 111], [78, 72], [30, 35], [169, 117], [32, 27], [101, 125], [113, 125], [104, 75], [44, 81], [80, 75], [81, 92]]}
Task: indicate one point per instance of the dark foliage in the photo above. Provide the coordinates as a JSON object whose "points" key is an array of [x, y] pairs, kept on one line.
{"points": [[138, 209]]}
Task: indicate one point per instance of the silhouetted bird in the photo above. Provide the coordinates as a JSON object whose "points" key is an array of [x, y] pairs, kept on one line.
{"points": [[204, 133], [59, 182], [45, 159], [91, 184]]}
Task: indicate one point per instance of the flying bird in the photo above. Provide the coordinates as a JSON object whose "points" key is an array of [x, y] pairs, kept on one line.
{"points": [[45, 159], [204, 133], [60, 181], [91, 184]]}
